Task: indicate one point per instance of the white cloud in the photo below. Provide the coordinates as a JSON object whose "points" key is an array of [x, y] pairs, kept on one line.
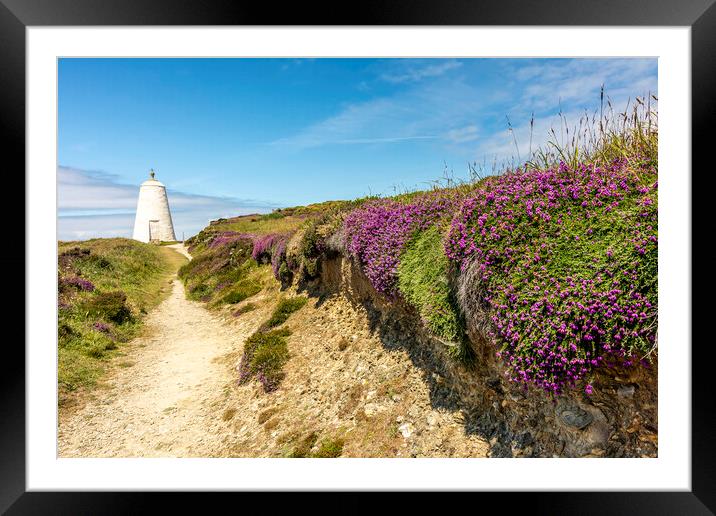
{"points": [[463, 134], [95, 204], [413, 73], [470, 116], [427, 112]]}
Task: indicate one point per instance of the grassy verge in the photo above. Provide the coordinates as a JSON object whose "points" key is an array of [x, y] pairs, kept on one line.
{"points": [[105, 287]]}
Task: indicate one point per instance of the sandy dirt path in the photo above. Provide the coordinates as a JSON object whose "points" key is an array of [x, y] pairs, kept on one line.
{"points": [[166, 403]]}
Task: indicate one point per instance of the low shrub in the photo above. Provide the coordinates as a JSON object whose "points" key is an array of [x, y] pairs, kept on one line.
{"points": [[263, 246], [565, 263], [285, 275], [311, 245], [223, 264], [199, 291], [242, 290], [284, 309], [329, 448], [378, 231], [278, 260], [66, 284], [111, 306], [248, 307], [304, 446], [265, 354], [102, 327]]}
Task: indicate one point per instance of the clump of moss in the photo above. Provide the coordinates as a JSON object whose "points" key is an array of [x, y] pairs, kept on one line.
{"points": [[283, 311]]}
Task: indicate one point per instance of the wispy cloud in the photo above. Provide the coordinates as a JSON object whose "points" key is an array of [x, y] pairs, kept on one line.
{"points": [[413, 72], [427, 112], [94, 203], [470, 116], [463, 134], [578, 81]]}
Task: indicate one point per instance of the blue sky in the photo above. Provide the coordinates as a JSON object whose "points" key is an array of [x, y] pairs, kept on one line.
{"points": [[232, 136]]}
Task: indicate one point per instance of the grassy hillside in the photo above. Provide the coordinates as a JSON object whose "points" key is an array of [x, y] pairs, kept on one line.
{"points": [[555, 263], [105, 287]]}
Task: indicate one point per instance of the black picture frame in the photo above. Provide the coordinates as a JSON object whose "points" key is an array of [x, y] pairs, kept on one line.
{"points": [[17, 15]]}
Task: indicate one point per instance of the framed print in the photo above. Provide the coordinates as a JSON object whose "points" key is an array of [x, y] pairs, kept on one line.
{"points": [[417, 248]]}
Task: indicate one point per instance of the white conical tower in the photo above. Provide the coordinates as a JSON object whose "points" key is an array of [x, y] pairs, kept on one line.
{"points": [[154, 220]]}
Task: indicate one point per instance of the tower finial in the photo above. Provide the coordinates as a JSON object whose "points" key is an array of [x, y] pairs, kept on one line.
{"points": [[151, 173]]}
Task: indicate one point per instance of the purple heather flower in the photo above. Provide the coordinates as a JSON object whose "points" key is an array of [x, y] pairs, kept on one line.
{"points": [[78, 283], [102, 327]]}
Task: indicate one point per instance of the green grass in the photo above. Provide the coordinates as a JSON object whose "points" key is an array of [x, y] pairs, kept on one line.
{"points": [[600, 140], [265, 354], [266, 351], [329, 448], [248, 307], [129, 279], [260, 224], [108, 306], [302, 449], [223, 275], [241, 290], [283, 311], [423, 281]]}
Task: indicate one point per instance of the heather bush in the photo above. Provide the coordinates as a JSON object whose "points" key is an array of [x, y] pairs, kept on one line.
{"points": [[220, 267], [263, 246], [378, 231], [66, 284], [336, 241], [227, 238], [321, 237], [293, 249], [102, 327], [564, 261], [309, 252], [199, 291], [278, 260]]}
